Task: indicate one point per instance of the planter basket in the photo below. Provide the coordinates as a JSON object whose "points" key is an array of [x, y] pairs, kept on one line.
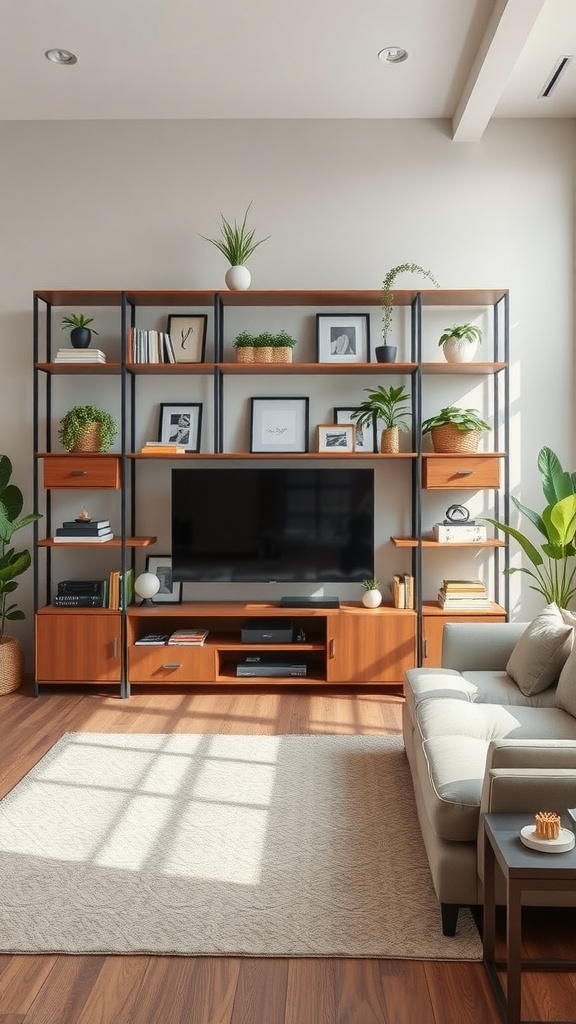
{"points": [[282, 355], [263, 354], [390, 442], [244, 355], [11, 664], [449, 438], [88, 439]]}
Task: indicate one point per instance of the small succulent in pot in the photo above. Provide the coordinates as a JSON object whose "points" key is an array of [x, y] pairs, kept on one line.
{"points": [[80, 331], [372, 596]]}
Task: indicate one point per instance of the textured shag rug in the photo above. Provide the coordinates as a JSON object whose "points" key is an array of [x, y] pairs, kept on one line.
{"points": [[284, 846]]}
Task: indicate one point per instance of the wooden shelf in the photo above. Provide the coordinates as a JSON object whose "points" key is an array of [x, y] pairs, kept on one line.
{"points": [[116, 542], [433, 608], [456, 369], [430, 542], [102, 369]]}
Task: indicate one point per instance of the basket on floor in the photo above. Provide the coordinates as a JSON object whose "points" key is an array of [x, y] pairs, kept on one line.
{"points": [[449, 438], [11, 664]]}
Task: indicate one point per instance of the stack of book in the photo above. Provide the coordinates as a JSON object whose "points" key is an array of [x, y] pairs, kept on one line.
{"points": [[81, 594], [80, 355], [190, 637], [403, 591], [152, 640], [76, 531], [463, 595], [162, 448]]}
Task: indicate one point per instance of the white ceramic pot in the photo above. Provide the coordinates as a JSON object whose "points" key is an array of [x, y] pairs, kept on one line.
{"points": [[371, 598], [458, 350], [238, 279]]}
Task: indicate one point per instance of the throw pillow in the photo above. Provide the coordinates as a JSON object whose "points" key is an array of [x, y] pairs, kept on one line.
{"points": [[541, 652], [565, 696]]}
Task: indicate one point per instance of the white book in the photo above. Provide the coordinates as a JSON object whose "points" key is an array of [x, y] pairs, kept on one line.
{"points": [[83, 540], [82, 353]]}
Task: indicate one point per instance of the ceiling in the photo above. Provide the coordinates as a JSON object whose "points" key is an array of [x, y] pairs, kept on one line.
{"points": [[469, 60]]}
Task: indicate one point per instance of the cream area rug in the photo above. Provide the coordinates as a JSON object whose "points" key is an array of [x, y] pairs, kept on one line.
{"points": [[284, 846]]}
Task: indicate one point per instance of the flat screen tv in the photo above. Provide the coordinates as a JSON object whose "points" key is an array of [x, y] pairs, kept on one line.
{"points": [[246, 525]]}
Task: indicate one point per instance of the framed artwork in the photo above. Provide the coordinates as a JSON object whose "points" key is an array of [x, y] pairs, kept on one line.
{"points": [[343, 337], [336, 438], [181, 424], [188, 336], [161, 566], [279, 424], [365, 437]]}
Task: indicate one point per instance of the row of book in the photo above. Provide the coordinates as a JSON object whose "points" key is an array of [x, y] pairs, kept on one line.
{"points": [[116, 591], [463, 595], [183, 637], [80, 355], [402, 588], [84, 531], [149, 346]]}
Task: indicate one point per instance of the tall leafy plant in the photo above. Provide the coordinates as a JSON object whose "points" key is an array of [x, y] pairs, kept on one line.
{"points": [[12, 562], [554, 571]]}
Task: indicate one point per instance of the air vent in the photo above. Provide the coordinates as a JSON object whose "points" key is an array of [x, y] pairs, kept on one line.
{"points": [[555, 75]]}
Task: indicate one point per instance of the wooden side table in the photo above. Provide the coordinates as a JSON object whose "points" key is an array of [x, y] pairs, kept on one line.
{"points": [[524, 870]]}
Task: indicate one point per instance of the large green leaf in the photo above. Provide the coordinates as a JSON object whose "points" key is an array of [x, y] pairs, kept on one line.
{"points": [[534, 517], [5, 471], [556, 482], [527, 546], [560, 521], [18, 565]]}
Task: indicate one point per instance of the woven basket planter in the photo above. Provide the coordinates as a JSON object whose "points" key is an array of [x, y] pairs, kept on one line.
{"points": [[11, 664], [390, 443], [88, 439], [263, 354], [244, 355], [448, 438], [282, 355]]}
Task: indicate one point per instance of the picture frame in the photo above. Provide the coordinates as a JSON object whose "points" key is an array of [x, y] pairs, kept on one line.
{"points": [[365, 437], [187, 333], [181, 423], [343, 337], [161, 566], [336, 438], [279, 424]]}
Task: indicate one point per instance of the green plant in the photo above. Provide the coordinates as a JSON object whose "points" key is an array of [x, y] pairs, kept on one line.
{"points": [[386, 404], [371, 584], [388, 294], [244, 340], [468, 332], [264, 340], [282, 340], [237, 240], [554, 575], [463, 419], [73, 320], [74, 421], [12, 562]]}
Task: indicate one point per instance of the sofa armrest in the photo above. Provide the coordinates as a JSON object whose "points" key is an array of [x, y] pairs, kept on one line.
{"points": [[479, 646]]}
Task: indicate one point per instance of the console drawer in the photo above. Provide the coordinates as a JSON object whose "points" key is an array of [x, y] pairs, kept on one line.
{"points": [[461, 471], [171, 664], [82, 471]]}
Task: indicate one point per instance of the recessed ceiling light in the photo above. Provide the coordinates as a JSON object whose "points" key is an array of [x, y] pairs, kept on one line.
{"points": [[61, 56], [554, 76], [393, 54]]}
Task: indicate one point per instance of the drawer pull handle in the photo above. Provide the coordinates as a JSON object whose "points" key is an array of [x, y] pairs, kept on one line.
{"points": [[332, 649], [79, 472], [115, 647], [465, 472], [171, 664]]}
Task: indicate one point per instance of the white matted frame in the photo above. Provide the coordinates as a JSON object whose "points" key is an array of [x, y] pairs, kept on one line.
{"points": [[343, 337], [181, 424], [336, 438], [279, 424], [366, 436], [188, 336], [161, 566]]}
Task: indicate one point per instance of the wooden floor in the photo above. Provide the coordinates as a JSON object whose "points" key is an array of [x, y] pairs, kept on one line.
{"points": [[229, 990]]}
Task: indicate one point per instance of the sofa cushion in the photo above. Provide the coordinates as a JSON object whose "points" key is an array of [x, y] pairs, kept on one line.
{"points": [[492, 721], [451, 772], [565, 696], [500, 688], [540, 653]]}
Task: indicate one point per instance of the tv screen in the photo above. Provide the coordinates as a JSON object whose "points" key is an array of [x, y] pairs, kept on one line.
{"points": [[282, 525]]}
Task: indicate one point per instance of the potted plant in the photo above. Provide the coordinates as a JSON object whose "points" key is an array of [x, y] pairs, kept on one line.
{"points": [[12, 564], [282, 345], [85, 428], [263, 347], [372, 596], [554, 572], [244, 344], [459, 342], [386, 353], [236, 243], [455, 430], [388, 405], [80, 332]]}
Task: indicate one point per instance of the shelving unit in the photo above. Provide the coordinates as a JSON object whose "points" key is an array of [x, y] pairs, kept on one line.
{"points": [[350, 644]]}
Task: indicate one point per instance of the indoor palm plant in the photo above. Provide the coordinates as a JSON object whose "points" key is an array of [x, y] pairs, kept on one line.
{"points": [[390, 406], [85, 428], [237, 243], [12, 564], [554, 572], [459, 342], [455, 430], [80, 331], [388, 303]]}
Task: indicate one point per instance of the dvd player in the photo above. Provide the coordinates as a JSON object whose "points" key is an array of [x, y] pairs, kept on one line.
{"points": [[268, 668], [267, 631]]}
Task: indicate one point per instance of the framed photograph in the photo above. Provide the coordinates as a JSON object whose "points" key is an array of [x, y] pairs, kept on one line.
{"points": [[279, 424], [335, 438], [188, 336], [161, 566], [343, 337], [365, 437], [181, 424]]}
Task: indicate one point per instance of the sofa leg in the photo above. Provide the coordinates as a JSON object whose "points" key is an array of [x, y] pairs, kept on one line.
{"points": [[449, 918]]}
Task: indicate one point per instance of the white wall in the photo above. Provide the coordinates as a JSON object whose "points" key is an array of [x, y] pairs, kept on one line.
{"points": [[122, 204]]}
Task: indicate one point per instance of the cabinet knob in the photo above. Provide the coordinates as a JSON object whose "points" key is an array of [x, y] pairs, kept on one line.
{"points": [[172, 665]]}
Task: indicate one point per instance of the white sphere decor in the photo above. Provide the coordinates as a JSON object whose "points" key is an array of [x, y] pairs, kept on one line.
{"points": [[146, 586], [238, 278]]}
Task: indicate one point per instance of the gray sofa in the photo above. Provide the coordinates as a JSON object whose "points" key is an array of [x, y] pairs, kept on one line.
{"points": [[475, 743]]}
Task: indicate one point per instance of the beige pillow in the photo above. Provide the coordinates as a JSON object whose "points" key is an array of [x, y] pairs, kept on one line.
{"points": [[541, 652], [565, 696]]}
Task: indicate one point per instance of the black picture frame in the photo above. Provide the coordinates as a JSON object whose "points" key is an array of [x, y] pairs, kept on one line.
{"points": [[161, 566], [279, 424], [343, 337], [365, 437], [181, 423], [187, 332]]}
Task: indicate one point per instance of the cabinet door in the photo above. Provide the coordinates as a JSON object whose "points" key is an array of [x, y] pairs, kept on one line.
{"points": [[370, 645], [432, 628], [75, 646]]}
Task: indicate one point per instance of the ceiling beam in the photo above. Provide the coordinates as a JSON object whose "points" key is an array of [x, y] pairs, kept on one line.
{"points": [[510, 24]]}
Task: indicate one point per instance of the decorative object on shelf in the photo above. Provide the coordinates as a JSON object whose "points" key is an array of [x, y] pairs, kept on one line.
{"points": [[372, 596], [84, 516], [181, 424], [187, 333], [236, 243], [389, 406], [457, 514], [264, 348], [279, 424], [146, 586], [365, 434], [336, 438], [459, 343], [12, 564], [388, 294], [554, 566], [168, 592], [455, 430], [385, 353], [85, 428], [80, 332], [343, 337]]}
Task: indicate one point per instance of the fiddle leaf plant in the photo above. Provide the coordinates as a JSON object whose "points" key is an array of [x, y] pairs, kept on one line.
{"points": [[12, 562], [388, 294], [554, 571]]}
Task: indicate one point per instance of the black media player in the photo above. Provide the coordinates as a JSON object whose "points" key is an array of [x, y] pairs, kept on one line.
{"points": [[267, 631]]}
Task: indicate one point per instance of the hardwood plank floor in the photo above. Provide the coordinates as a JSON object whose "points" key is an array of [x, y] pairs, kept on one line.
{"points": [[232, 990]]}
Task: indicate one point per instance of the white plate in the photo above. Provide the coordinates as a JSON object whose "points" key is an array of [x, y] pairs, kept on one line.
{"points": [[565, 841]]}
